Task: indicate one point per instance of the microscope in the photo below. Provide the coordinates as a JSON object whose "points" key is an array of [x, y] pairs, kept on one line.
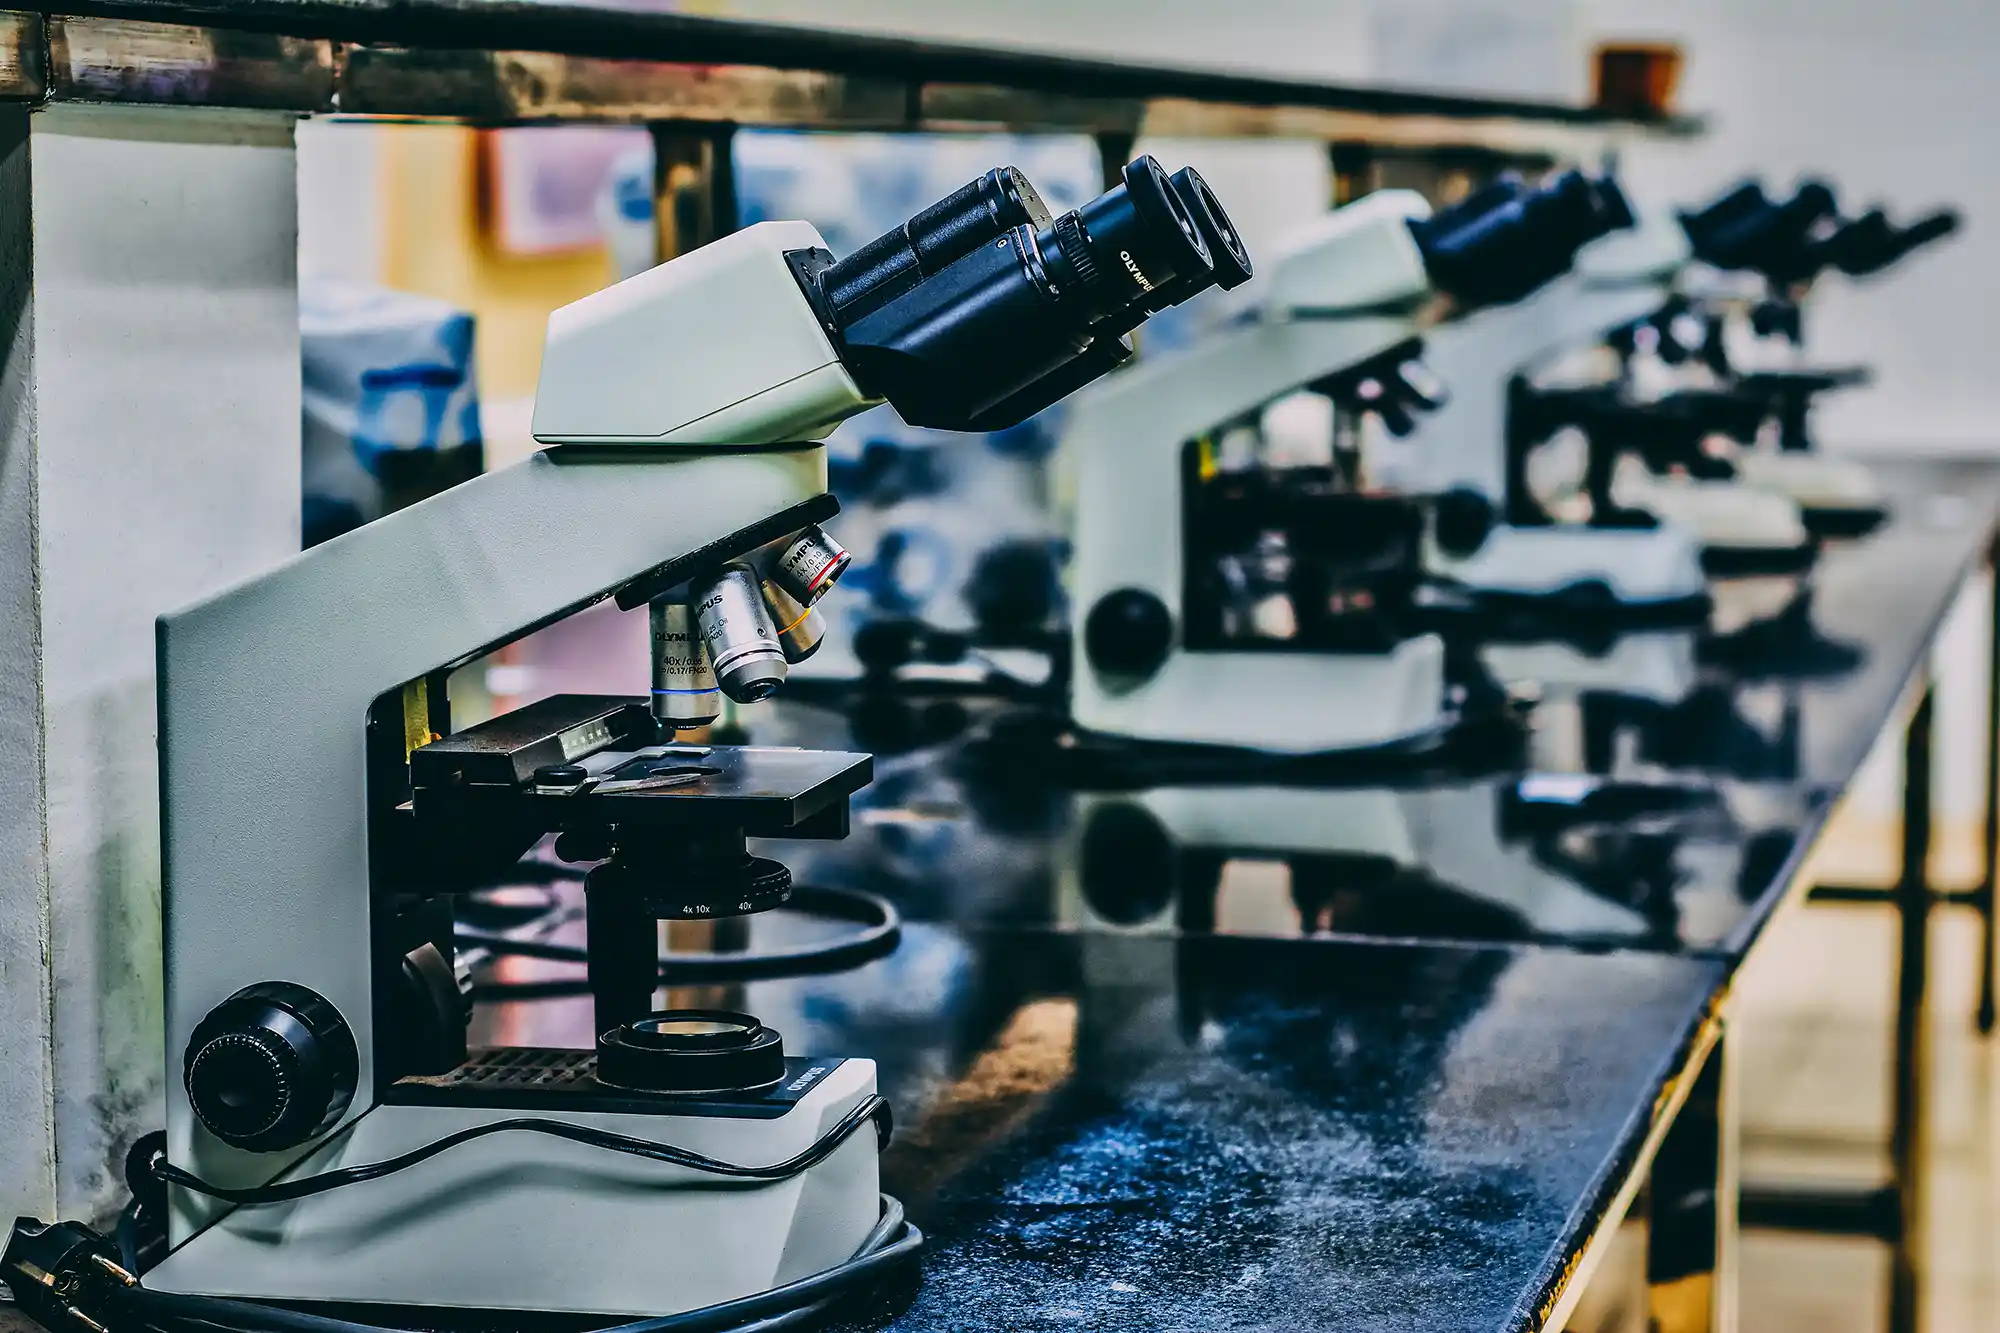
{"points": [[1181, 549], [1514, 859], [330, 1139], [1737, 336], [1527, 542]]}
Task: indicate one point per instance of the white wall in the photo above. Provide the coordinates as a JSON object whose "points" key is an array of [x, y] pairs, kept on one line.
{"points": [[149, 417], [1888, 101]]}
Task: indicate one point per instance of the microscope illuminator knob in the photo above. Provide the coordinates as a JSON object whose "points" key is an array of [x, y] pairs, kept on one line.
{"points": [[271, 1067]]}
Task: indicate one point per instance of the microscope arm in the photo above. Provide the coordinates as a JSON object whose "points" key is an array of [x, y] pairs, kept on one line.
{"points": [[265, 690], [1124, 443], [1481, 355]]}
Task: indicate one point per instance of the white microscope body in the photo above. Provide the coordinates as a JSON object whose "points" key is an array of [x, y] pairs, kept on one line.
{"points": [[1353, 288], [267, 859], [307, 802]]}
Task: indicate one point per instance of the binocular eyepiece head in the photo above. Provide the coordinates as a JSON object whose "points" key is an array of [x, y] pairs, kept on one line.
{"points": [[1507, 238], [985, 307], [1871, 243], [1746, 229]]}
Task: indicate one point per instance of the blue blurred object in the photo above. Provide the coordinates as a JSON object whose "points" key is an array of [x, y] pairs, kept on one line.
{"points": [[391, 403]]}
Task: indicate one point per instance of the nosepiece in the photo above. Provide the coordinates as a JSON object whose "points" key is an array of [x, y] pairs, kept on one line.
{"points": [[1747, 230]]}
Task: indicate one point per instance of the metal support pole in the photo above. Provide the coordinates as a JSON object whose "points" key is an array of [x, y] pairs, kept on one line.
{"points": [[694, 187], [1894, 1213], [1353, 171], [1987, 897], [1114, 150], [1909, 1139], [695, 202]]}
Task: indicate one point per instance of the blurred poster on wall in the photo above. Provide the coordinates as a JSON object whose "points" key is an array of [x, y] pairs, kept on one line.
{"points": [[544, 184]]}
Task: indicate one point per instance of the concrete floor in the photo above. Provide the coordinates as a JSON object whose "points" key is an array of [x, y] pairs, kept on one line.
{"points": [[1813, 1023]]}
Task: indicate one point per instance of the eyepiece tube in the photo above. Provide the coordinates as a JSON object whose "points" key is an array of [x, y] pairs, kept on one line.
{"points": [[1504, 241], [948, 230], [1124, 245], [1006, 320], [1705, 224], [740, 638], [684, 689], [1230, 259], [809, 566]]}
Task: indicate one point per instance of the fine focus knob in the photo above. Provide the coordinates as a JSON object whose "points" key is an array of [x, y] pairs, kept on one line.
{"points": [[271, 1067]]}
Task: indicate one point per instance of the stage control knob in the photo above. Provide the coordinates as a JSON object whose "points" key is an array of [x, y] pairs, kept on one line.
{"points": [[271, 1067]]}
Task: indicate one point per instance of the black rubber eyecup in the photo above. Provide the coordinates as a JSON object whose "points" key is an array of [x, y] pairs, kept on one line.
{"points": [[691, 1051], [1225, 245], [1171, 225]]}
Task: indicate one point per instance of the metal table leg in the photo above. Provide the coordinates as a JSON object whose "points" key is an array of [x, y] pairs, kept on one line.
{"points": [[1989, 872], [1909, 1138], [1691, 1193], [1894, 1212]]}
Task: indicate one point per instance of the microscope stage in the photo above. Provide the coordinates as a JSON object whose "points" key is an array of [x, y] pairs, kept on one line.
{"points": [[608, 774]]}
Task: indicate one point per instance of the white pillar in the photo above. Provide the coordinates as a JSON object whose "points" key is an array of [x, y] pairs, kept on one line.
{"points": [[149, 454]]}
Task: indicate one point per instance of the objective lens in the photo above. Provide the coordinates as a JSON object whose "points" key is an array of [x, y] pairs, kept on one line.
{"points": [[684, 689], [800, 628], [813, 563], [740, 638]]}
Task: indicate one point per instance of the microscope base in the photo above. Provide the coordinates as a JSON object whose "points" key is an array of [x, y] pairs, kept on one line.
{"points": [[1284, 702], [1653, 572], [1837, 497], [1657, 665], [519, 1221], [1743, 529]]}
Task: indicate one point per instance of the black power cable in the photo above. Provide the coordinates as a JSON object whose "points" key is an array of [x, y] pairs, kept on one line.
{"points": [[872, 1108], [893, 1239], [121, 1301]]}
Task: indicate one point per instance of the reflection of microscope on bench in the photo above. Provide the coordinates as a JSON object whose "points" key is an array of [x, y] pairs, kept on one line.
{"points": [[330, 1139], [1737, 334], [1221, 599], [1509, 859]]}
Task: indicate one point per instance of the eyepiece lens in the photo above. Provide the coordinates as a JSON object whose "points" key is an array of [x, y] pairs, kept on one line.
{"points": [[1130, 241], [1226, 250]]}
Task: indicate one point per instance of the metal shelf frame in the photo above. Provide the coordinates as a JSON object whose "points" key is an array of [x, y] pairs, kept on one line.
{"points": [[527, 61]]}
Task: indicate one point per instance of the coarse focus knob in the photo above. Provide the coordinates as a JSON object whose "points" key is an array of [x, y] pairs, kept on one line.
{"points": [[1128, 633], [271, 1067]]}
